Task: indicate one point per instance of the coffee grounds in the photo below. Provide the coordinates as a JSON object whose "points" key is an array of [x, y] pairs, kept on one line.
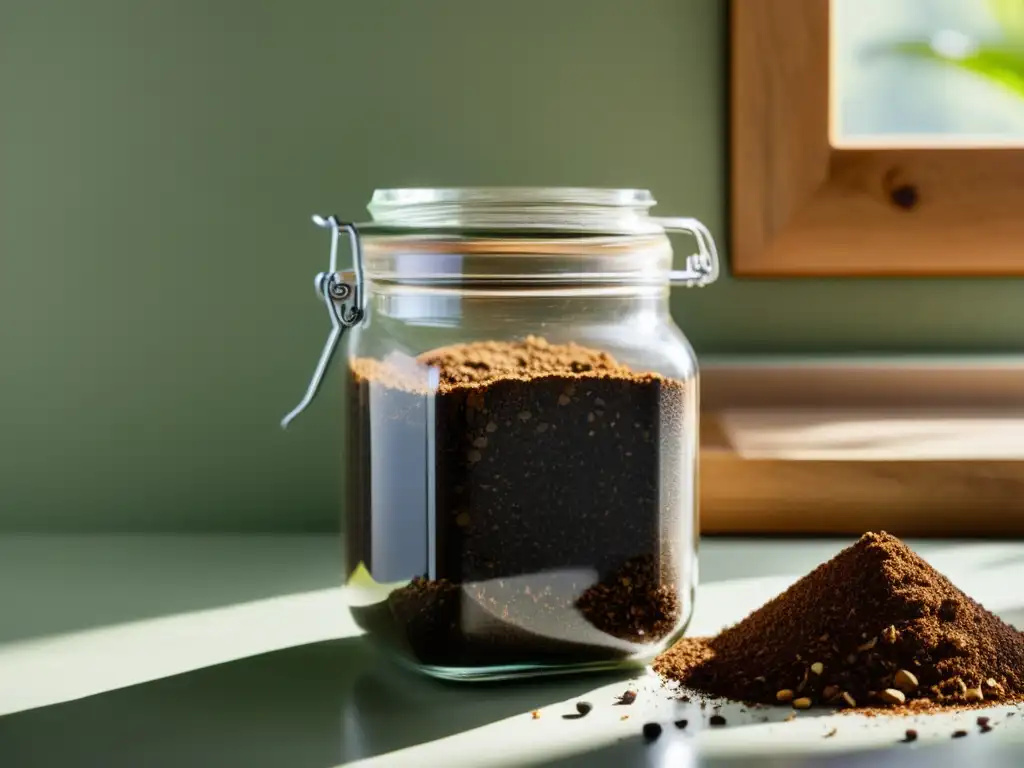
{"points": [[875, 627], [531, 493], [633, 605]]}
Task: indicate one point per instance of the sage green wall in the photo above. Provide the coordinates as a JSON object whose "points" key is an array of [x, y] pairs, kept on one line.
{"points": [[158, 165]]}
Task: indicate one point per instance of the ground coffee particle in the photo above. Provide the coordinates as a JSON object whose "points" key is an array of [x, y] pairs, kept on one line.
{"points": [[983, 721], [583, 708], [985, 728], [959, 734], [874, 610], [910, 735], [680, 724], [551, 513], [628, 697], [717, 720], [651, 731]]}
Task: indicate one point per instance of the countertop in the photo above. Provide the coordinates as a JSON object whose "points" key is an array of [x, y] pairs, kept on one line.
{"points": [[232, 650]]}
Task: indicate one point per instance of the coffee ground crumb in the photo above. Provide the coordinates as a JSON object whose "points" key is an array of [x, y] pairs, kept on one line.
{"points": [[628, 697], [959, 734], [583, 709], [831, 733], [910, 735], [874, 629], [680, 724], [651, 731], [717, 721]]}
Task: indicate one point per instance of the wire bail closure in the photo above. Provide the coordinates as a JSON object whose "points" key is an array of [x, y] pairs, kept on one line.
{"points": [[701, 267], [342, 293]]}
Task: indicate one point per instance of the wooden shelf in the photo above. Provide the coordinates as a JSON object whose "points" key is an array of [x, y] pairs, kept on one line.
{"points": [[837, 449]]}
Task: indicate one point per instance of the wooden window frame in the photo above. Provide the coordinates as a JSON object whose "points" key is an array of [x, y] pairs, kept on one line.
{"points": [[800, 207]]}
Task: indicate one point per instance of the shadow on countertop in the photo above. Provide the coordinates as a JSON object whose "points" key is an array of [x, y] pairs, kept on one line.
{"points": [[635, 753], [58, 583], [286, 709]]}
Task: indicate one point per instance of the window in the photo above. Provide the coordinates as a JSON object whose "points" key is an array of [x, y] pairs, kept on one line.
{"points": [[825, 182], [871, 138]]}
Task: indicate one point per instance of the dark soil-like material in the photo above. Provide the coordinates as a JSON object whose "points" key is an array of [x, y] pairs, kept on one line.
{"points": [[534, 495], [875, 627]]}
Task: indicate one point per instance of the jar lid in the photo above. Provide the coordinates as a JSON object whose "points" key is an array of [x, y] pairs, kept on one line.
{"points": [[565, 209]]}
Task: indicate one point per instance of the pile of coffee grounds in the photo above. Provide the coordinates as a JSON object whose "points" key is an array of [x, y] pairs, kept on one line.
{"points": [[875, 627], [634, 604], [532, 493]]}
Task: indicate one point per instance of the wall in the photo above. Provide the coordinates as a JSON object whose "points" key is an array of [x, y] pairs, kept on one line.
{"points": [[158, 165]]}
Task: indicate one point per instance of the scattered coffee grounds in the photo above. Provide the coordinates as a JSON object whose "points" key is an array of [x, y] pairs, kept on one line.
{"points": [[680, 724], [530, 495], [651, 731], [983, 721], [959, 734], [535, 714], [910, 735], [876, 627], [626, 698], [985, 728], [716, 721]]}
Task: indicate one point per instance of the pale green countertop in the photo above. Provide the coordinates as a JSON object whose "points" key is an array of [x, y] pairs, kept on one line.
{"points": [[237, 651]]}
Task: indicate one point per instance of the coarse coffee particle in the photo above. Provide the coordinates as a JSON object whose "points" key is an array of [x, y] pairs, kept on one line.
{"points": [[651, 731]]}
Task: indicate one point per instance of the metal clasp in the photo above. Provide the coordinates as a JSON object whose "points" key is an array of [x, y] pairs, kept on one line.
{"points": [[342, 293], [702, 267]]}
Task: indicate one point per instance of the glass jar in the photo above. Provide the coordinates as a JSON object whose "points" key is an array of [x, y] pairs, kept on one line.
{"points": [[522, 425]]}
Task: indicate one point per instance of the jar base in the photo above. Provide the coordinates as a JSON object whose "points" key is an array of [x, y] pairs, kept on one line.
{"points": [[506, 672], [518, 672]]}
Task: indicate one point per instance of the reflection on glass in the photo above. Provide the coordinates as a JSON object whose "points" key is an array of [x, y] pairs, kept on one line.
{"points": [[927, 72]]}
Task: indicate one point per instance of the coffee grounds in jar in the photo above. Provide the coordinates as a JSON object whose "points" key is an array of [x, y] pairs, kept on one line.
{"points": [[553, 513], [634, 604], [875, 627]]}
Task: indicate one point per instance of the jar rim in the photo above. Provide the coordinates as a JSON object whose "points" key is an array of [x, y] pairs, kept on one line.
{"points": [[508, 209], [389, 199]]}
